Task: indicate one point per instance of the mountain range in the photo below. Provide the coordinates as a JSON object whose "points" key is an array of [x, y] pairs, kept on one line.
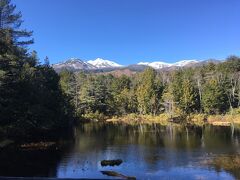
{"points": [[100, 65]]}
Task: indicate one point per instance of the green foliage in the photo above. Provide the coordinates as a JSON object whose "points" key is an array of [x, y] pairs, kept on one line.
{"points": [[31, 99], [10, 22], [189, 99], [95, 95], [148, 92], [96, 116], [210, 89], [32, 104], [214, 98]]}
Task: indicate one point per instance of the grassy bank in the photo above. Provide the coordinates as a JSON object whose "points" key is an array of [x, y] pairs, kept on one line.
{"points": [[165, 119], [162, 119]]}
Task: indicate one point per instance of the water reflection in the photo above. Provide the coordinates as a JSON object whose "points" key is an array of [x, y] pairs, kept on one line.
{"points": [[147, 151], [22, 163]]}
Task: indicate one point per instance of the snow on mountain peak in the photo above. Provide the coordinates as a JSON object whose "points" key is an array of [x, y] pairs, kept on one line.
{"points": [[72, 60], [143, 63], [101, 63], [160, 65], [156, 65], [73, 63], [184, 62]]}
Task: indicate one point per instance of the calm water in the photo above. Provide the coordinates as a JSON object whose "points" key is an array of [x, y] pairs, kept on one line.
{"points": [[147, 151]]}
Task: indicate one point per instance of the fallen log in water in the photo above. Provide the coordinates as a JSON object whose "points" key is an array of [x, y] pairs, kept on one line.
{"points": [[115, 174]]}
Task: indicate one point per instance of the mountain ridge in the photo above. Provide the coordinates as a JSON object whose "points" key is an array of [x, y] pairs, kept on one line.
{"points": [[99, 64]]}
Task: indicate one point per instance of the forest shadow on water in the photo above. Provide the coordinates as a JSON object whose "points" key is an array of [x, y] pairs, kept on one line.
{"points": [[147, 151]]}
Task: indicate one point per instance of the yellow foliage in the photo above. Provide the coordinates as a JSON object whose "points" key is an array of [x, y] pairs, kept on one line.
{"points": [[136, 119], [195, 119]]}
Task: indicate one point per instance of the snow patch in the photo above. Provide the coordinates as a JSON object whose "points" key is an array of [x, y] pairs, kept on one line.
{"points": [[160, 64], [101, 63]]}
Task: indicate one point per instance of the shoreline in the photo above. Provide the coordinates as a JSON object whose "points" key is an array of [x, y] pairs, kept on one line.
{"points": [[164, 119]]}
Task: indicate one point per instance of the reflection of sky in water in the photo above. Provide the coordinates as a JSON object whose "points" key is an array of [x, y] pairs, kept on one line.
{"points": [[153, 152], [189, 173], [139, 161], [139, 171]]}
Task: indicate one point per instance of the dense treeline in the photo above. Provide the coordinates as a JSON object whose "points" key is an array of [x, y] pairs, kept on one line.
{"points": [[32, 104], [209, 89]]}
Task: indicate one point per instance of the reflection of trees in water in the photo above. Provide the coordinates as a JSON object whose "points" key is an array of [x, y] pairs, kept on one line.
{"points": [[202, 138], [172, 136], [151, 145], [29, 163], [229, 163], [220, 139]]}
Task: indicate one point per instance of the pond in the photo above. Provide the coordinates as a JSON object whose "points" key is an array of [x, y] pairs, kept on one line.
{"points": [[147, 152]]}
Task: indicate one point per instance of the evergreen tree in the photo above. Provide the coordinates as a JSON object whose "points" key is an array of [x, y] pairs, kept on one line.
{"points": [[121, 94], [31, 102], [189, 99], [10, 22], [214, 98], [146, 92]]}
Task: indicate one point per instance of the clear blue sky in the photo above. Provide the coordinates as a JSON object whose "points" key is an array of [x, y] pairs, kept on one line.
{"points": [[130, 31]]}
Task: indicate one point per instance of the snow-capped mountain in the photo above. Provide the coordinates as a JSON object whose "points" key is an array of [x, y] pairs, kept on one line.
{"points": [[185, 63], [101, 63], [160, 65], [73, 64], [156, 65]]}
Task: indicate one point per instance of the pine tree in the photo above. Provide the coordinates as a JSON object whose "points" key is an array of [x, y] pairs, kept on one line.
{"points": [[10, 22], [214, 98], [31, 101], [46, 61], [189, 99], [145, 90]]}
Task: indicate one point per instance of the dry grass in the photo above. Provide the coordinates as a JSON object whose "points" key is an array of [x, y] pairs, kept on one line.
{"points": [[198, 119], [195, 119], [224, 120], [141, 119]]}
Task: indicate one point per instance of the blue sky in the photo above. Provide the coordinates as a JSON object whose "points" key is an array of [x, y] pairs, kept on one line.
{"points": [[129, 31]]}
